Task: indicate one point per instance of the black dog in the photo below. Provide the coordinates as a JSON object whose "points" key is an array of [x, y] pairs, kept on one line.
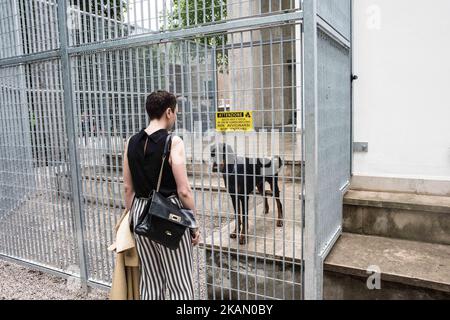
{"points": [[245, 174]]}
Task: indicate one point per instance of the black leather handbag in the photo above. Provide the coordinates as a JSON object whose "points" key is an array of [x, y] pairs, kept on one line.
{"points": [[162, 220]]}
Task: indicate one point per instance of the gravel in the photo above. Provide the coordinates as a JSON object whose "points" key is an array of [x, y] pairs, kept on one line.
{"points": [[22, 283], [41, 229]]}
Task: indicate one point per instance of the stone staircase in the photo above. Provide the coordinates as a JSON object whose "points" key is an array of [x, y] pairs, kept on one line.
{"points": [[404, 236]]}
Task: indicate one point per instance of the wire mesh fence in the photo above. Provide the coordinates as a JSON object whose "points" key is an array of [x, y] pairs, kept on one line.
{"points": [[115, 19], [36, 215], [74, 76]]}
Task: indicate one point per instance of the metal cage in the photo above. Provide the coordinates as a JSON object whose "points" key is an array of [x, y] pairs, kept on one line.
{"points": [[74, 76]]}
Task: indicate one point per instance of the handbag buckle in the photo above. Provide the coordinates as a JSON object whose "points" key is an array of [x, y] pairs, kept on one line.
{"points": [[174, 217]]}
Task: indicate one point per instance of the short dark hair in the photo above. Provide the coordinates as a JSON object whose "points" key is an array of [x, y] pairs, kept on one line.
{"points": [[158, 102]]}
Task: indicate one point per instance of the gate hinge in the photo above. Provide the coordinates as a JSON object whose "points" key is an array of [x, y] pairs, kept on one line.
{"points": [[360, 147]]}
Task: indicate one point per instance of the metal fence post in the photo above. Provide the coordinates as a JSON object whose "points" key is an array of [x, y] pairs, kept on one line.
{"points": [[72, 141], [313, 266], [351, 88]]}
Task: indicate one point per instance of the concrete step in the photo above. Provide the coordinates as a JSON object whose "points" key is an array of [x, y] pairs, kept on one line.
{"points": [[105, 187], [406, 216], [408, 269], [291, 168], [268, 266]]}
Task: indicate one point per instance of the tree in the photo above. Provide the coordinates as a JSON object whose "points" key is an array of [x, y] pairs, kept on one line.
{"points": [[185, 14]]}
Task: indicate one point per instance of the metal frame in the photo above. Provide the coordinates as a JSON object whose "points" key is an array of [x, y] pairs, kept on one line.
{"points": [[352, 131], [188, 33], [71, 136], [256, 22], [312, 284], [332, 32], [315, 253], [32, 57], [313, 268]]}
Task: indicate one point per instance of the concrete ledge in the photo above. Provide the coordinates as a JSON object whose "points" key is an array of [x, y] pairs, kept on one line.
{"points": [[338, 286], [398, 215], [392, 184], [416, 264], [268, 266], [107, 189], [406, 201], [264, 240], [241, 277], [290, 168]]}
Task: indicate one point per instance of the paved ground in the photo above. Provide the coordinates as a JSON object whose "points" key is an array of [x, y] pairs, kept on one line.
{"points": [[50, 239], [42, 229], [21, 283]]}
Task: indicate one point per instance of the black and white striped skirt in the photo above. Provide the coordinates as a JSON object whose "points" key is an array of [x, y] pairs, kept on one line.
{"points": [[162, 269]]}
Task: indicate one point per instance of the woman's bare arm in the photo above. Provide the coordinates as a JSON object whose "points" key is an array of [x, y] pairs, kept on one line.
{"points": [[177, 160], [127, 181]]}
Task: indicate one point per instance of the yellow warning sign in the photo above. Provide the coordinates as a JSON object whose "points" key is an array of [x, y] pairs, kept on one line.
{"points": [[234, 121]]}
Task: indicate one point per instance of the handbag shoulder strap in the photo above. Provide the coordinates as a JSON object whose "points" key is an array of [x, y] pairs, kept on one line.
{"points": [[166, 152]]}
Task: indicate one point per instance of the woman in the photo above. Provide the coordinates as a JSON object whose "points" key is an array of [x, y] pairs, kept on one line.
{"points": [[161, 268]]}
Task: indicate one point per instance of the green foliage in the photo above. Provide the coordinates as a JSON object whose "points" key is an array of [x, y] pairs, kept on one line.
{"points": [[188, 13], [192, 12]]}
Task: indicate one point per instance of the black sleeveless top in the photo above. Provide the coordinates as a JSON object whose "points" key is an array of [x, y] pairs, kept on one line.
{"points": [[145, 168]]}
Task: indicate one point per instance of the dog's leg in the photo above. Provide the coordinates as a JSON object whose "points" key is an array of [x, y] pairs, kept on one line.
{"points": [[233, 235], [279, 206], [260, 188], [244, 215]]}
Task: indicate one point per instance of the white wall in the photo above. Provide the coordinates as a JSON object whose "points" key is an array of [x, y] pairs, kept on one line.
{"points": [[402, 97]]}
